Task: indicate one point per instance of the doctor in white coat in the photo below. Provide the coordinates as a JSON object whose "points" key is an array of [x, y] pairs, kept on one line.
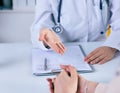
{"points": [[59, 21]]}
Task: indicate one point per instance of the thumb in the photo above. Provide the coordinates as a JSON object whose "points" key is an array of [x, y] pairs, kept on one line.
{"points": [[42, 36], [51, 85], [65, 67]]}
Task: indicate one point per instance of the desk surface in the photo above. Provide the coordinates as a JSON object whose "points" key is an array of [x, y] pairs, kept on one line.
{"points": [[16, 75]]}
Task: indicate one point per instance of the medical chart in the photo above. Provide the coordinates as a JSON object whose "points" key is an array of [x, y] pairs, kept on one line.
{"points": [[48, 62]]}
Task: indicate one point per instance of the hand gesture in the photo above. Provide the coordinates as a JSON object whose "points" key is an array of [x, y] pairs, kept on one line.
{"points": [[51, 39]]}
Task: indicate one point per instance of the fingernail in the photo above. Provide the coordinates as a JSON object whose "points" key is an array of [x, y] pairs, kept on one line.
{"points": [[91, 63], [100, 63]]}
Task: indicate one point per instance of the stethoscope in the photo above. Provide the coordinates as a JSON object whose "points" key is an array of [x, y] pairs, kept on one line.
{"points": [[101, 8], [101, 3], [58, 27]]}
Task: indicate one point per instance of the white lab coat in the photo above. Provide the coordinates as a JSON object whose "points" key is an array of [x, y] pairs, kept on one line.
{"points": [[82, 20]]}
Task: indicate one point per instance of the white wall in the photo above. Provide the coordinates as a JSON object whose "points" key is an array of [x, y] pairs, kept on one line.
{"points": [[15, 26]]}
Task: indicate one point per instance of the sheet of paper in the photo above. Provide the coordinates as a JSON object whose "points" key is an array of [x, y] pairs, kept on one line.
{"points": [[73, 56]]}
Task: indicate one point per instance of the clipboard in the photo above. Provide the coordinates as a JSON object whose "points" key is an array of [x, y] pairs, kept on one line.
{"points": [[47, 62]]}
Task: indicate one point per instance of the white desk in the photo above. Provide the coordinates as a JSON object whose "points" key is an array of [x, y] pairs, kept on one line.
{"points": [[16, 75]]}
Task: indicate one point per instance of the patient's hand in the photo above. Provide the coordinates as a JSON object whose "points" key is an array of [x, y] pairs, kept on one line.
{"points": [[68, 81], [65, 82]]}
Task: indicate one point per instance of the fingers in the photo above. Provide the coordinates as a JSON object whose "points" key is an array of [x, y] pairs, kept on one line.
{"points": [[70, 69], [42, 34], [51, 39], [93, 57], [58, 43], [104, 60], [56, 46], [64, 74], [61, 47], [51, 85], [87, 58], [100, 55], [53, 80], [97, 59], [73, 72], [65, 67], [41, 37]]}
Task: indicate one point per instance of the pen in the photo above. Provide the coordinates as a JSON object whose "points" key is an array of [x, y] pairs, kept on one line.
{"points": [[45, 64]]}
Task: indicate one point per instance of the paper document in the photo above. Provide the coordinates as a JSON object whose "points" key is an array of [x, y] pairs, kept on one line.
{"points": [[47, 62]]}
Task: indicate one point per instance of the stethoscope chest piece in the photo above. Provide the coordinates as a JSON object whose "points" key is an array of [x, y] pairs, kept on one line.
{"points": [[58, 29]]}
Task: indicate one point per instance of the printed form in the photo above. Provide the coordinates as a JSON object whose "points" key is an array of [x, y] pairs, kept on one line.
{"points": [[48, 62]]}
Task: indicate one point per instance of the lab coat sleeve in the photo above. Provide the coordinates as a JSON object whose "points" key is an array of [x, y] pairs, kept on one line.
{"points": [[112, 87], [43, 19], [114, 39]]}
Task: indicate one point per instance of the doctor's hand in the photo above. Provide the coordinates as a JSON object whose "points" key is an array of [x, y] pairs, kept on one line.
{"points": [[51, 39], [101, 55], [65, 82]]}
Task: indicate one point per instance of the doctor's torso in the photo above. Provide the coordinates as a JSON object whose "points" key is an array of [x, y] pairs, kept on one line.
{"points": [[81, 19]]}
